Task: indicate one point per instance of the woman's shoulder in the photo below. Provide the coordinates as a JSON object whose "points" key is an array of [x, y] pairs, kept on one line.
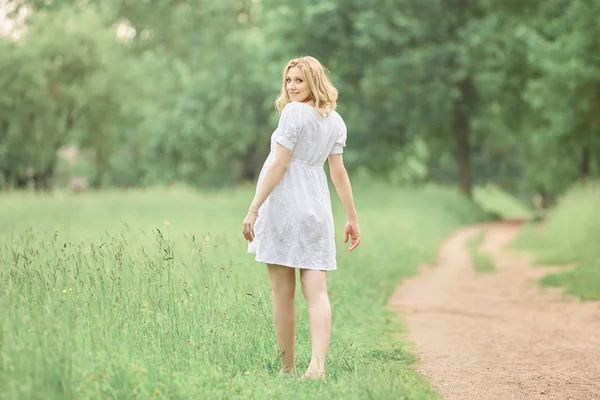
{"points": [[297, 112], [337, 118], [294, 107], [336, 115]]}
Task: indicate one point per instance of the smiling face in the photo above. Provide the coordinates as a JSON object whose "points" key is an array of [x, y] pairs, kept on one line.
{"points": [[296, 85], [305, 80]]}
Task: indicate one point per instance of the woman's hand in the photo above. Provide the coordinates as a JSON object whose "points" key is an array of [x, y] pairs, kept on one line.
{"points": [[353, 231], [248, 224]]}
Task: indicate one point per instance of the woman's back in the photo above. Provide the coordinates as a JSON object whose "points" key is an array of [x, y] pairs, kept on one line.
{"points": [[311, 137]]}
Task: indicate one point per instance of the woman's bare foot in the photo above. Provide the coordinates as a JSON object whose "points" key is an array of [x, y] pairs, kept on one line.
{"points": [[288, 371], [312, 376]]}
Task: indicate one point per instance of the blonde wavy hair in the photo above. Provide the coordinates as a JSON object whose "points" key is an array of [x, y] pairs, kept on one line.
{"points": [[316, 75]]}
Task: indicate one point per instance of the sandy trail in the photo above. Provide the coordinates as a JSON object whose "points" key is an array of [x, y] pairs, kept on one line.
{"points": [[499, 335]]}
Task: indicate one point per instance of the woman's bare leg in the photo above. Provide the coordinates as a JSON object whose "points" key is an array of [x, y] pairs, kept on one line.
{"points": [[314, 287], [283, 285]]}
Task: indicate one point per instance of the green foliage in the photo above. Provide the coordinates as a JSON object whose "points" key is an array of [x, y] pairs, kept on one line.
{"points": [[499, 204], [152, 292], [570, 236], [411, 164], [69, 85], [562, 92], [182, 91]]}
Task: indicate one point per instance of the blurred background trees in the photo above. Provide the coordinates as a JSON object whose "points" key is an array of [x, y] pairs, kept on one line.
{"points": [[153, 92]]}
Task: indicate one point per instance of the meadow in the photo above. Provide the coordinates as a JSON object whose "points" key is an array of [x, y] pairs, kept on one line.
{"points": [[148, 294], [569, 236]]}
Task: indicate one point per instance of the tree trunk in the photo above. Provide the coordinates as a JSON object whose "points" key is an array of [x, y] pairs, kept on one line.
{"points": [[461, 129], [249, 168], [584, 166], [462, 107], [21, 182], [101, 167], [43, 181]]}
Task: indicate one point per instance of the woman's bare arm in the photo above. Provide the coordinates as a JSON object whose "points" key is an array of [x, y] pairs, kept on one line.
{"points": [[341, 181], [273, 176]]}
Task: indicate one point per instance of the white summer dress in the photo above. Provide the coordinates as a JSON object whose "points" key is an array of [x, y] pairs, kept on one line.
{"points": [[295, 224]]}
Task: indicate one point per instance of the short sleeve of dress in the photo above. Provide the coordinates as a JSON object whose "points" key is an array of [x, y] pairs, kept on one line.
{"points": [[340, 142], [288, 127]]}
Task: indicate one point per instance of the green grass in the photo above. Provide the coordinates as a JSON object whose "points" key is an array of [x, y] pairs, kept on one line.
{"points": [[482, 261], [148, 294], [570, 235], [500, 204]]}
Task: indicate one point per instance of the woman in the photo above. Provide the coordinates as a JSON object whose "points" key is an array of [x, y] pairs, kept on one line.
{"points": [[290, 222]]}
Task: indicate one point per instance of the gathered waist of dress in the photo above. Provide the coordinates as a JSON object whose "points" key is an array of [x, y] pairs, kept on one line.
{"points": [[304, 164]]}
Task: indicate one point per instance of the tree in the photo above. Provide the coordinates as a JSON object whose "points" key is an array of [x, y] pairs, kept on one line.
{"points": [[67, 90], [565, 94]]}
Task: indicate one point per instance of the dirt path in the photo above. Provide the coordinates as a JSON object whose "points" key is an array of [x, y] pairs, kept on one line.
{"points": [[499, 335]]}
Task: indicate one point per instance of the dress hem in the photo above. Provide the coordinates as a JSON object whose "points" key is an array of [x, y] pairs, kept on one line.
{"points": [[286, 264]]}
